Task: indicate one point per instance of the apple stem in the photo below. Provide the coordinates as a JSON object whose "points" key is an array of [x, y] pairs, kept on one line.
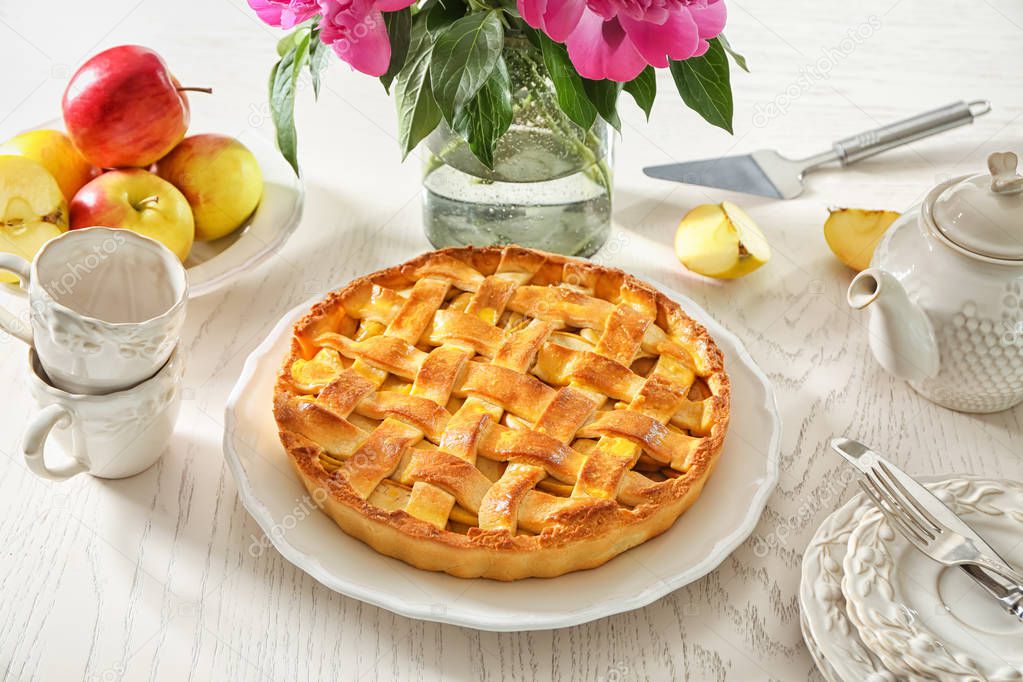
{"points": [[148, 201], [208, 91]]}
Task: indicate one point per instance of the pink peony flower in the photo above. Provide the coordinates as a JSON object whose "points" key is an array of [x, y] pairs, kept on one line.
{"points": [[616, 39], [284, 13], [356, 31]]}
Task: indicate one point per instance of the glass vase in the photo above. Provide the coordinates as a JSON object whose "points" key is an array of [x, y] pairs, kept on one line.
{"points": [[550, 187]]}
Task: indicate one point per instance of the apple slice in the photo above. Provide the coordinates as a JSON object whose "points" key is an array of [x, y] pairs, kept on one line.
{"points": [[32, 209], [720, 241], [852, 234]]}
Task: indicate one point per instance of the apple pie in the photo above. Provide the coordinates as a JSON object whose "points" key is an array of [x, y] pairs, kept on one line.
{"points": [[501, 412]]}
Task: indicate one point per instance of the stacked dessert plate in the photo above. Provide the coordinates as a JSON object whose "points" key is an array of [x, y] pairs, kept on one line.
{"points": [[874, 608]]}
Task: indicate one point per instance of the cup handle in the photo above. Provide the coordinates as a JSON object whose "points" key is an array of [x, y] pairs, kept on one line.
{"points": [[33, 445], [8, 321]]}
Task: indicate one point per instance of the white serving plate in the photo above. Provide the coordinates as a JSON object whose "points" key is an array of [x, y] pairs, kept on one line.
{"points": [[211, 265], [722, 518]]}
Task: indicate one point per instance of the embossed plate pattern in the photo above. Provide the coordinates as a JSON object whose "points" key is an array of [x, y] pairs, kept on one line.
{"points": [[925, 619]]}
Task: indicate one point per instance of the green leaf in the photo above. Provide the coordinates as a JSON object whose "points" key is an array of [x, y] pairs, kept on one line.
{"points": [[399, 33], [568, 85], [318, 53], [643, 89], [464, 55], [510, 8], [443, 14], [283, 82], [531, 33], [604, 95], [418, 113], [488, 115], [287, 43], [736, 57], [703, 83]]}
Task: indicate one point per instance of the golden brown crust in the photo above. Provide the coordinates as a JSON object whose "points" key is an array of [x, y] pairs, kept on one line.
{"points": [[562, 533]]}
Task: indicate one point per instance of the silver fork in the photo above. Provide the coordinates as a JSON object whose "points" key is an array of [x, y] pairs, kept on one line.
{"points": [[932, 538]]}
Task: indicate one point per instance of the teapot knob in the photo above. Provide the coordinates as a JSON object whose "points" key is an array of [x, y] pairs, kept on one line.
{"points": [[1004, 178]]}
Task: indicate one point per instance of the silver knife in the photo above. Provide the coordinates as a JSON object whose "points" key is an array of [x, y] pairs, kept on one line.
{"points": [[1010, 599]]}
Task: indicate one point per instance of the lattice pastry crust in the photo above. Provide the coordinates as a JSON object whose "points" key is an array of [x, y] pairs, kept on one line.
{"points": [[502, 412]]}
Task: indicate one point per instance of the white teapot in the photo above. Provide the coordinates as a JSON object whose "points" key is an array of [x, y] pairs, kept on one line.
{"points": [[945, 292]]}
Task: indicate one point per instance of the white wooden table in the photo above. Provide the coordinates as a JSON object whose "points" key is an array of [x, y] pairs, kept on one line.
{"points": [[163, 576]]}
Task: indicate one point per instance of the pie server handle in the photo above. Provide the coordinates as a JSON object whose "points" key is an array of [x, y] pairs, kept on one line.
{"points": [[871, 142]]}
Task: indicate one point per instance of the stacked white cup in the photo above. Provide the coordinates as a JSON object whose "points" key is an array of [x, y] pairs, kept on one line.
{"points": [[105, 311]]}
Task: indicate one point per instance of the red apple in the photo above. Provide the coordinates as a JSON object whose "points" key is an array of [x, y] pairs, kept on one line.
{"points": [[136, 200], [123, 108]]}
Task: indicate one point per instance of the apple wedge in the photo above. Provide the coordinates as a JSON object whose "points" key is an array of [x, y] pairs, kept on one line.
{"points": [[720, 241], [852, 234], [32, 209]]}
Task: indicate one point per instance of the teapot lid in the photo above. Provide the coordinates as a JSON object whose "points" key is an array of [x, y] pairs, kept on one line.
{"points": [[984, 213]]}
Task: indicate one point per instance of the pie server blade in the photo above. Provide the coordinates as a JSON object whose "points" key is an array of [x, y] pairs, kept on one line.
{"points": [[768, 173], [750, 173]]}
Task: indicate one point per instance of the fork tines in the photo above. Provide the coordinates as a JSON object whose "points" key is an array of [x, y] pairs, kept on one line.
{"points": [[898, 506]]}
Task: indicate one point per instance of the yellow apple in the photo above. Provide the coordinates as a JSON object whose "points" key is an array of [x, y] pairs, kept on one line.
{"points": [[53, 150], [852, 234], [32, 209], [136, 200], [220, 178], [720, 241]]}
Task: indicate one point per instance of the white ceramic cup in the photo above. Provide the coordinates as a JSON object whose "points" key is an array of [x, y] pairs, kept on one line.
{"points": [[114, 435], [105, 311]]}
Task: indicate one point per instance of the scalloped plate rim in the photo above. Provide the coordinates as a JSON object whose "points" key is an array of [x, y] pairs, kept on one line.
{"points": [[840, 666]]}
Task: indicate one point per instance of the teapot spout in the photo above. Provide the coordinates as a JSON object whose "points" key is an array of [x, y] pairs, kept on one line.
{"points": [[901, 335]]}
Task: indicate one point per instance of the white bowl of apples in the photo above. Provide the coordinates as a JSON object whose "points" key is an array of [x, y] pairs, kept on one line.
{"points": [[121, 158]]}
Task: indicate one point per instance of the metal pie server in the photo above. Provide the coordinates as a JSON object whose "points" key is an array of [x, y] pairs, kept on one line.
{"points": [[769, 174]]}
